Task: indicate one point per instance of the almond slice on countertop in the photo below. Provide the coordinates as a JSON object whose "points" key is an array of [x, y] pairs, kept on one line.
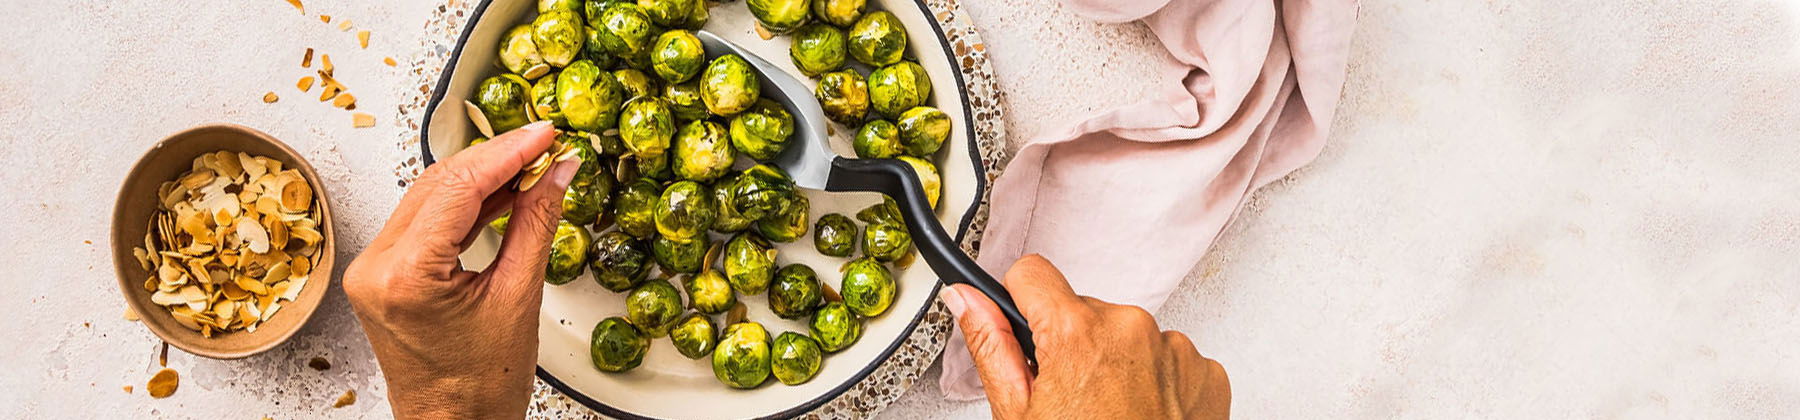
{"points": [[269, 98], [306, 61], [305, 83], [362, 37], [389, 61], [362, 120], [344, 100], [297, 5]]}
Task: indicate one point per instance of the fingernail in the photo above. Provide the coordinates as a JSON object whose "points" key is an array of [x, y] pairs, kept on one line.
{"points": [[564, 173], [953, 300], [537, 126]]}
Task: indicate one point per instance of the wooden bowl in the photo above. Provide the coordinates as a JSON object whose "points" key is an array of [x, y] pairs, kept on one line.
{"points": [[137, 202]]}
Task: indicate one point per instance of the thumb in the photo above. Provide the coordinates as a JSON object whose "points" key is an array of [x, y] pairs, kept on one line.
{"points": [[526, 247], [1005, 376]]}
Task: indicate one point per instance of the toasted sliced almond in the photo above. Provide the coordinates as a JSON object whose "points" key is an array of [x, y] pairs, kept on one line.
{"points": [[536, 71], [306, 61], [305, 83], [348, 398], [164, 383], [479, 119], [327, 93], [764, 33], [325, 64], [344, 25], [325, 18], [343, 100], [297, 5], [269, 98], [362, 120], [362, 37], [389, 61]]}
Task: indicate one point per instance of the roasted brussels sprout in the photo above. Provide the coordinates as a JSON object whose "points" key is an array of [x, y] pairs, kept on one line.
{"points": [[617, 346], [817, 48], [544, 6], [835, 327], [868, 288], [844, 95], [655, 167], [928, 177], [685, 212], [519, 54], [636, 83], [593, 50], [780, 16], [502, 99], [886, 212], [898, 87], [591, 190], [568, 253], [761, 191], [542, 97], [684, 100], [646, 125], [701, 152], [624, 29], [742, 358], [788, 225], [762, 131], [709, 292], [795, 292], [678, 257], [677, 55], [886, 242], [589, 98], [878, 139], [724, 194], [667, 12], [729, 85], [653, 307], [796, 358], [592, 9], [694, 335], [697, 19], [749, 263], [842, 13], [923, 130], [620, 261], [877, 39], [558, 35], [834, 235], [633, 210]]}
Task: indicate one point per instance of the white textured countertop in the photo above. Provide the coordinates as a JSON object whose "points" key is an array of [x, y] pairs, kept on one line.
{"points": [[1527, 209]]}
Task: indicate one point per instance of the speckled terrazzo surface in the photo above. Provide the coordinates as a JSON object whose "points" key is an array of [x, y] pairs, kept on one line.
{"points": [[1527, 209]]}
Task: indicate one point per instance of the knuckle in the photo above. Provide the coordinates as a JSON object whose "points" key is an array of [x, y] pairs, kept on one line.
{"points": [[1176, 340], [1133, 317]]}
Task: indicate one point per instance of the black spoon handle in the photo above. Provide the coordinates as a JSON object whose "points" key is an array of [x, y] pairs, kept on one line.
{"points": [[896, 179]]}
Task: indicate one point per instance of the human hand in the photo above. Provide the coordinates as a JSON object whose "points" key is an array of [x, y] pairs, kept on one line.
{"points": [[1095, 359], [454, 343]]}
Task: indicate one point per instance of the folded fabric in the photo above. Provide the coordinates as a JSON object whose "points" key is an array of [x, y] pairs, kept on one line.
{"points": [[1126, 202]]}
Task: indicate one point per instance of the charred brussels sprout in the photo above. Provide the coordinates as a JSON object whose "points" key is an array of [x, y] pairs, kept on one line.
{"points": [[694, 336], [653, 307], [684, 100], [834, 235], [502, 100], [636, 83], [678, 257], [761, 191], [728, 221], [568, 253], [788, 225], [897, 88], [709, 292], [923, 130], [667, 12], [588, 97], [796, 356], [559, 35], [677, 55], [632, 210], [817, 48], [844, 95], [842, 13], [795, 292], [646, 125], [877, 39], [620, 261], [518, 53], [685, 211], [762, 131], [617, 346], [544, 6], [879, 139], [835, 327], [729, 85], [928, 177], [780, 16], [868, 288], [886, 242], [624, 29], [749, 263], [742, 358], [701, 151], [887, 212]]}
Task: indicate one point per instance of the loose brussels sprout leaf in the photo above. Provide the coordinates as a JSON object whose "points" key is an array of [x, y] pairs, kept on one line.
{"points": [[780, 16], [558, 35], [923, 130], [624, 29], [620, 261], [617, 346], [761, 191], [678, 257], [841, 13], [928, 178], [701, 152], [834, 235], [868, 288], [646, 125], [887, 212], [795, 292], [844, 95], [545, 6], [788, 225], [879, 139], [636, 83], [877, 39], [588, 97], [518, 52], [502, 99], [742, 358], [796, 357], [694, 336], [677, 55], [898, 87], [762, 131], [749, 263], [543, 96], [653, 307], [835, 327], [633, 209], [729, 85], [684, 100], [886, 242], [568, 253], [710, 292], [818, 48], [667, 12], [725, 194], [685, 211]]}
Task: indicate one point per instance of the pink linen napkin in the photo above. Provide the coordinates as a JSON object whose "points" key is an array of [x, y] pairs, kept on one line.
{"points": [[1126, 202]]}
